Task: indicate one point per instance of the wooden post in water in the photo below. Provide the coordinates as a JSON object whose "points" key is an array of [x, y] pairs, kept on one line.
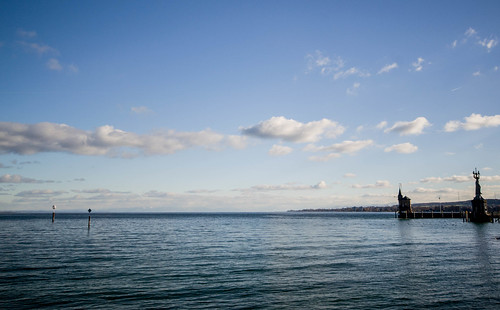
{"points": [[53, 213], [90, 210]]}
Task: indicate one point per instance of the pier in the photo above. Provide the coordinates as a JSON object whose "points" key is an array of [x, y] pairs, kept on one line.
{"points": [[479, 213], [430, 215]]}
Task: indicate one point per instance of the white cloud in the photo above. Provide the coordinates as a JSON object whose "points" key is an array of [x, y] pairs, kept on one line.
{"points": [[418, 65], [40, 193], [495, 68], [415, 127], [381, 125], [345, 147], [470, 32], [353, 89], [378, 184], [324, 158], [488, 43], [280, 150], [421, 190], [351, 71], [473, 122], [454, 44], [320, 185], [39, 48], [26, 34], [324, 63], [349, 175], [477, 73], [279, 127], [235, 142], [388, 68], [15, 178], [105, 140], [286, 187], [403, 148], [53, 64], [453, 179], [490, 178], [140, 110], [73, 68]]}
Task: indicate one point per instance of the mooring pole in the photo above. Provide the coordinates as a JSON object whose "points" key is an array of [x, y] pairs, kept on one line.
{"points": [[90, 210], [53, 213]]}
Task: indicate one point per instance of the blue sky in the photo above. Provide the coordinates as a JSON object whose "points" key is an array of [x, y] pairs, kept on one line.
{"points": [[246, 105]]}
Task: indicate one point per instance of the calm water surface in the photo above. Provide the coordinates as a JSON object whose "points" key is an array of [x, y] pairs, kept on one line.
{"points": [[243, 261]]}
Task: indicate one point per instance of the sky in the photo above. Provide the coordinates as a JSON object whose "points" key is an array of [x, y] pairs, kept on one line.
{"points": [[203, 106]]}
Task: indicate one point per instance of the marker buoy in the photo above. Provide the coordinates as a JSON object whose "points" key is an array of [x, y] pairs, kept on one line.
{"points": [[90, 210]]}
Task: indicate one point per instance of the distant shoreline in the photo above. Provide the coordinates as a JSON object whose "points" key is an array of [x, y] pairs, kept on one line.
{"points": [[457, 206]]}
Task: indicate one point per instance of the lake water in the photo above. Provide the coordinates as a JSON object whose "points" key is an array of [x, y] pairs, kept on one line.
{"points": [[247, 261]]}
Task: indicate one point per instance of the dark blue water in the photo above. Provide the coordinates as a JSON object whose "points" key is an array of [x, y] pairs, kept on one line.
{"points": [[238, 261]]}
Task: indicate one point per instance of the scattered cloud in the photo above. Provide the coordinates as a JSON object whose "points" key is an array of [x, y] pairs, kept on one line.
{"points": [[488, 43], [454, 179], [403, 148], [349, 175], [40, 193], [26, 34], [40, 49], [381, 125], [349, 72], [470, 32], [140, 110], [280, 150], [293, 131], [378, 184], [415, 127], [331, 67], [287, 187], [418, 65], [477, 73], [73, 68], [317, 61], [105, 140], [324, 158], [388, 68], [354, 89], [15, 178], [421, 190], [473, 122], [490, 178], [53, 64], [472, 35], [346, 147]]}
